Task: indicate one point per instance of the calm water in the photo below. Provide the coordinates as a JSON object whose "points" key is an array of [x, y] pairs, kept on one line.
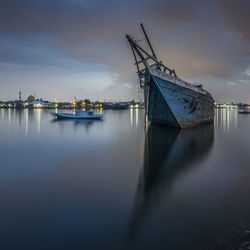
{"points": [[114, 184]]}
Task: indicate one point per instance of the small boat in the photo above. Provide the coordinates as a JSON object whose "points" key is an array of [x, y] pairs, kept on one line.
{"points": [[244, 111], [78, 115]]}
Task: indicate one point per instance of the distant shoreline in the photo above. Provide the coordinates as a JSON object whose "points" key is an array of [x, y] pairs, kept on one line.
{"points": [[66, 108]]}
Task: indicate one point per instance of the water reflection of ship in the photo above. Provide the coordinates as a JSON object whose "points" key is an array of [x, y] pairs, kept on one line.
{"points": [[169, 152], [76, 123]]}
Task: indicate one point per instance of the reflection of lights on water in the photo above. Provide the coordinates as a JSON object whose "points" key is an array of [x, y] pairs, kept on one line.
{"points": [[136, 117], [216, 118], [99, 111], [26, 121], [9, 118], [131, 116], [226, 119], [146, 121], [132, 111], [236, 118], [38, 113]]}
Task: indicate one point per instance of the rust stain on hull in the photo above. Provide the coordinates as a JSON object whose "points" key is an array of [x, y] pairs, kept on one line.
{"points": [[177, 106]]}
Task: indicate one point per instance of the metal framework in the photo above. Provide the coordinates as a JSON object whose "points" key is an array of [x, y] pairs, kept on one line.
{"points": [[142, 57]]}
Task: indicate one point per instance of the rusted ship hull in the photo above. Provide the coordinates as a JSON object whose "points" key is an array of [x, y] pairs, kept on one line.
{"points": [[172, 104]]}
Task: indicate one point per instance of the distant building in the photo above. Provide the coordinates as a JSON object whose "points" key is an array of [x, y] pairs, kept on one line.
{"points": [[37, 104], [18, 104]]}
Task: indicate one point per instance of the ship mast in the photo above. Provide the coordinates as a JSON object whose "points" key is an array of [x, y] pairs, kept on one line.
{"points": [[142, 57], [146, 36]]}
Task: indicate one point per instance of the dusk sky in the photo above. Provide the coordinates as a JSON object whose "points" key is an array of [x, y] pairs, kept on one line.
{"points": [[65, 48]]}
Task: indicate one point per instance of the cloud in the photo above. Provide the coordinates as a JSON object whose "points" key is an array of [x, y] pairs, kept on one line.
{"points": [[197, 38], [236, 14]]}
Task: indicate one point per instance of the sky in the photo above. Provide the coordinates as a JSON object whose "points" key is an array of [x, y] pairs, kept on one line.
{"points": [[65, 48]]}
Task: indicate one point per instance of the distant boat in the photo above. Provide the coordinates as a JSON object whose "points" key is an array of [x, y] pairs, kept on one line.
{"points": [[78, 115], [244, 111], [168, 99]]}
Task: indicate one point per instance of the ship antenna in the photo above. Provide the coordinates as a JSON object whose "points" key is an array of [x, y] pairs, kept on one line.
{"points": [[153, 53]]}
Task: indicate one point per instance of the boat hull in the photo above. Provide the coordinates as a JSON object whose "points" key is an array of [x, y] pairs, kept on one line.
{"points": [[244, 111], [173, 104], [69, 116]]}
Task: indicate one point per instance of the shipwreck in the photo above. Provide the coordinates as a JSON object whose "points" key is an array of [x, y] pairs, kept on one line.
{"points": [[168, 99]]}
